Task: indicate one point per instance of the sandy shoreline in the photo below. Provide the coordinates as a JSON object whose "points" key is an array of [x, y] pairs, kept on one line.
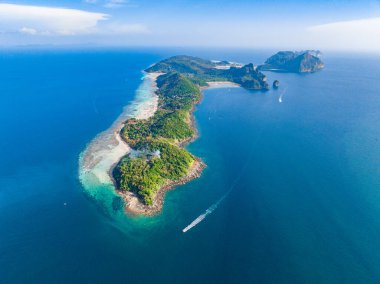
{"points": [[147, 110], [133, 204], [108, 148], [220, 84]]}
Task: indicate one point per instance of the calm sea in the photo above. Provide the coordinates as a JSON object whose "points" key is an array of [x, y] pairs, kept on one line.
{"points": [[292, 181]]}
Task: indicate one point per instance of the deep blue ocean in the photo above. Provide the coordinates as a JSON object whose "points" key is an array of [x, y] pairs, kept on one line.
{"points": [[300, 177]]}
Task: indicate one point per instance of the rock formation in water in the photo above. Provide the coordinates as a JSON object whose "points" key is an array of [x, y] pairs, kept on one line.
{"points": [[294, 61]]}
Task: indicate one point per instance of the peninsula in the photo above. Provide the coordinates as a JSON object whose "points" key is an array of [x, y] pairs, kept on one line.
{"points": [[158, 160]]}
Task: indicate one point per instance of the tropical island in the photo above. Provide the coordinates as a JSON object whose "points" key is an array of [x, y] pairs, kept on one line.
{"points": [[307, 61], [158, 160]]}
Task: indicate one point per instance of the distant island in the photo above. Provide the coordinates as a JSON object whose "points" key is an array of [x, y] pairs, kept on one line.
{"points": [[294, 61], [158, 161], [200, 71]]}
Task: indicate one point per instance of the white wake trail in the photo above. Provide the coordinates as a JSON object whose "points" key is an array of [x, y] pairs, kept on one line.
{"points": [[211, 209], [201, 217], [283, 92]]}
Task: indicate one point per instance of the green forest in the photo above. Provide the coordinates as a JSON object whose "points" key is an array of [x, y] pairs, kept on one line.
{"points": [[162, 133], [160, 158]]}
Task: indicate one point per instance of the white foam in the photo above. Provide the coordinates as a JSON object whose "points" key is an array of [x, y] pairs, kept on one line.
{"points": [[211, 209], [282, 94], [208, 211], [107, 148]]}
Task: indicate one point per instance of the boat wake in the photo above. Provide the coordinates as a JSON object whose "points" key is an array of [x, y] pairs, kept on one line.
{"points": [[280, 98], [207, 212], [211, 209]]}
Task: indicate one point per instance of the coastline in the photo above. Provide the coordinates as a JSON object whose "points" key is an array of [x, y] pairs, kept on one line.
{"points": [[106, 150], [133, 204], [220, 84], [103, 153], [145, 112]]}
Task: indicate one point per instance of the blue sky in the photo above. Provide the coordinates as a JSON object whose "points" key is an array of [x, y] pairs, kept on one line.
{"points": [[338, 25]]}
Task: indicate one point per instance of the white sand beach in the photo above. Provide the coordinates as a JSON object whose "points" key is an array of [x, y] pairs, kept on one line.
{"points": [[107, 148]]}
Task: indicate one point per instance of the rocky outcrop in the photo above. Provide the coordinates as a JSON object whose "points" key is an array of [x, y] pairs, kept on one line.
{"points": [[276, 84], [248, 77], [293, 61]]}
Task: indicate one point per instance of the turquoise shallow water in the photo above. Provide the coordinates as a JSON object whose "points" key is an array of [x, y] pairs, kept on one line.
{"points": [[302, 177]]}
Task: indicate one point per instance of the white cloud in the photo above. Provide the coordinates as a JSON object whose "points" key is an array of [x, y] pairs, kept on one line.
{"points": [[46, 20], [115, 3], [111, 3], [29, 31], [361, 34], [117, 28], [38, 21]]}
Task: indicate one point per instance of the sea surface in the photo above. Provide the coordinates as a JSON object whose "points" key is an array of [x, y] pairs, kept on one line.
{"points": [[292, 186]]}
